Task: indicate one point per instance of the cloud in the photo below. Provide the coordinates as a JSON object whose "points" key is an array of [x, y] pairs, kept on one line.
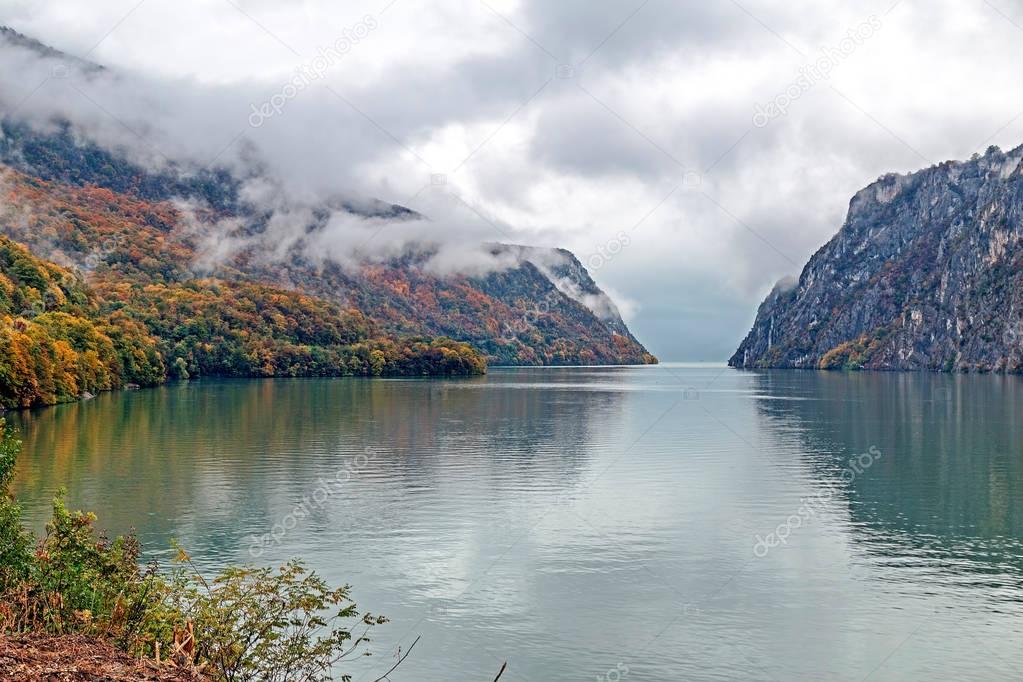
{"points": [[459, 109], [158, 122]]}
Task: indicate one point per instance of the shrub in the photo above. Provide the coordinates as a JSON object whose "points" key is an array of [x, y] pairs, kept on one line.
{"points": [[245, 624], [15, 543], [282, 625]]}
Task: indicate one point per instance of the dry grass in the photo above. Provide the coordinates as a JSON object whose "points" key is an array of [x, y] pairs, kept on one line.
{"points": [[76, 658]]}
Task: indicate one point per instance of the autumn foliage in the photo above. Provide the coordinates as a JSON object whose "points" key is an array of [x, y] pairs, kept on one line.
{"points": [[61, 338], [159, 310], [55, 343]]}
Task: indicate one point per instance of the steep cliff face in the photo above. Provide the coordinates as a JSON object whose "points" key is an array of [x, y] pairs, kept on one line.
{"points": [[926, 273]]}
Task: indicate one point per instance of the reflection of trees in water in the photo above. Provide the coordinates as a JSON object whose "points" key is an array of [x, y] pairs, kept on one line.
{"points": [[950, 483], [197, 459]]}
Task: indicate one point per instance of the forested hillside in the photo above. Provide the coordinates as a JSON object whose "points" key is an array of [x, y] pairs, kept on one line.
{"points": [[139, 235], [84, 206], [61, 338]]}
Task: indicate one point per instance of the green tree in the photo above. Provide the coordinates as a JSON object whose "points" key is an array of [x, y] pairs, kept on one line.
{"points": [[15, 542]]}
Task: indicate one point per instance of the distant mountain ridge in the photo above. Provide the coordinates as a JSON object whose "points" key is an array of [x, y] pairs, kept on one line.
{"points": [[925, 274], [12, 37]]}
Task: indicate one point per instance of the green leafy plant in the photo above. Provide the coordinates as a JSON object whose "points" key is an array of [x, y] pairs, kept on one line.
{"points": [[274, 625], [15, 542]]}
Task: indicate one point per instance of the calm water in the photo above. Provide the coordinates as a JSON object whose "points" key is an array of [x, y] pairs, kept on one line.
{"points": [[669, 523]]}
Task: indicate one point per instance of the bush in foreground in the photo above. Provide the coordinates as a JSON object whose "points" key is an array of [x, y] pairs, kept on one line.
{"points": [[244, 624]]}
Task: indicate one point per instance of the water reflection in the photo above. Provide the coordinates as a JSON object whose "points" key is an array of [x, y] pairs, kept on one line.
{"points": [[217, 459], [570, 520], [944, 497]]}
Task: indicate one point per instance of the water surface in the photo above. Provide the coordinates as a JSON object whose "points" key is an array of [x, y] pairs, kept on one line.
{"points": [[656, 523]]}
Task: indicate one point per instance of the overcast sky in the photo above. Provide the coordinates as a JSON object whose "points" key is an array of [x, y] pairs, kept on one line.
{"points": [[690, 152]]}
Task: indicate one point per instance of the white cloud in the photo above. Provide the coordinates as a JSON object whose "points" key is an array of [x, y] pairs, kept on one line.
{"points": [[678, 81]]}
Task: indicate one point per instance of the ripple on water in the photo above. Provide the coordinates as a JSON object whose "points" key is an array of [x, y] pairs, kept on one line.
{"points": [[581, 521]]}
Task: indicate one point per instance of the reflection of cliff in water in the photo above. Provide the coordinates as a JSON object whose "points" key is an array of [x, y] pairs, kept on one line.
{"points": [[949, 485], [198, 459]]}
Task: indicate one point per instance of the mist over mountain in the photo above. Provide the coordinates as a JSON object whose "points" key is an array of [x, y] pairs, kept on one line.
{"points": [[240, 221]]}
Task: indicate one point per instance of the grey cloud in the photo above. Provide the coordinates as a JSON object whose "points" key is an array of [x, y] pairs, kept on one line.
{"points": [[622, 33], [686, 74], [579, 135]]}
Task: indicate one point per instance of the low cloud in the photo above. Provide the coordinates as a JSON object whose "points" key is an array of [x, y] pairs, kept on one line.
{"points": [[465, 112]]}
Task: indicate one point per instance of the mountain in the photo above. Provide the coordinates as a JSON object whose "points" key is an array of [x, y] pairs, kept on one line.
{"points": [[544, 309], [61, 338], [925, 274], [11, 37], [90, 209]]}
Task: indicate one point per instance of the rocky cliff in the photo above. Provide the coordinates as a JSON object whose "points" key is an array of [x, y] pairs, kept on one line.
{"points": [[925, 274]]}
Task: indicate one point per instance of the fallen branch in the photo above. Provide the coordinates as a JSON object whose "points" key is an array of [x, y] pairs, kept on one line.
{"points": [[401, 660]]}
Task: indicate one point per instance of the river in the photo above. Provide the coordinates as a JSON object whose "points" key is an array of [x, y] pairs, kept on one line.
{"points": [[679, 522]]}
